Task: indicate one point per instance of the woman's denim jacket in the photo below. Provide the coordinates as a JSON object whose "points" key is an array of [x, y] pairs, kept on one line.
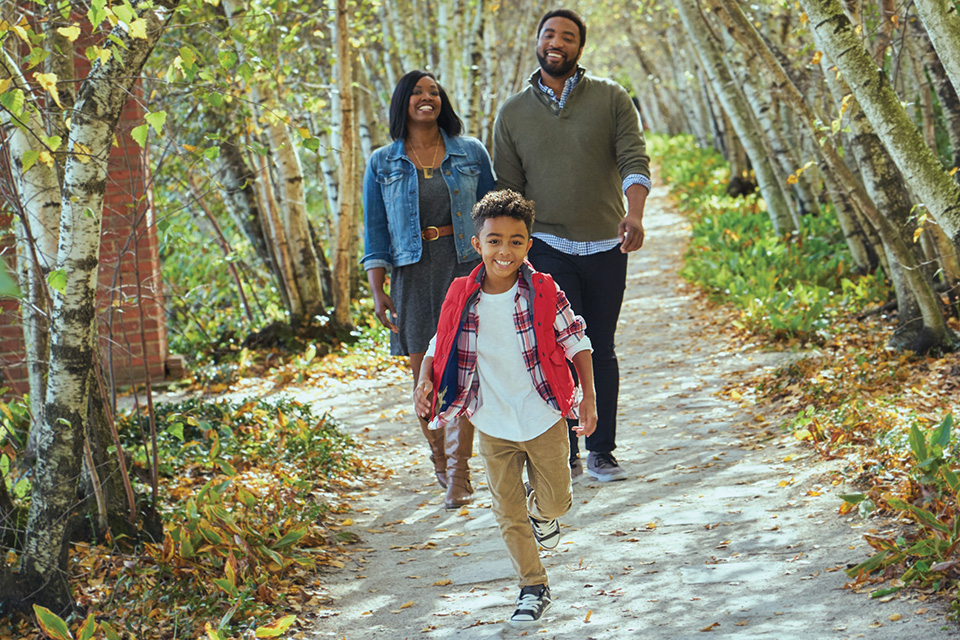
{"points": [[391, 200]]}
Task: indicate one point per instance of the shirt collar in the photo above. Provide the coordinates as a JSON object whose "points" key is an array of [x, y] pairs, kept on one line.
{"points": [[568, 85]]}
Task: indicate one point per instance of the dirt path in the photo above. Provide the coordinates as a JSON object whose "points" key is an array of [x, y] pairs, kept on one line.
{"points": [[713, 535]]}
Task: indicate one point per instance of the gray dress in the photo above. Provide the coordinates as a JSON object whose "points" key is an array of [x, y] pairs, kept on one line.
{"points": [[417, 289]]}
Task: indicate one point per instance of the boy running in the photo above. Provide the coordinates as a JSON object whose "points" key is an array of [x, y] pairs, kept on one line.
{"points": [[512, 380]]}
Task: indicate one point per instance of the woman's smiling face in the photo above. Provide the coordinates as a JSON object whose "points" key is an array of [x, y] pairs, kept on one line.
{"points": [[424, 101]]}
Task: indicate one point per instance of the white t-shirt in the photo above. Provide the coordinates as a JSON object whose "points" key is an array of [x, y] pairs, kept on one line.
{"points": [[510, 407]]}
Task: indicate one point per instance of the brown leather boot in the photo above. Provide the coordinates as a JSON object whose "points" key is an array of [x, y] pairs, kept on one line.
{"points": [[459, 445], [438, 456]]}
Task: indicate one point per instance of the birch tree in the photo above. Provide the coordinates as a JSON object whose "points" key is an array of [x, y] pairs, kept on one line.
{"points": [[736, 107], [837, 38], [290, 233], [942, 22], [41, 576]]}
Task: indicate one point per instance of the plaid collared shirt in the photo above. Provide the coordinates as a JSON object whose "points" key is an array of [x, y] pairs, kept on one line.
{"points": [[569, 328]]}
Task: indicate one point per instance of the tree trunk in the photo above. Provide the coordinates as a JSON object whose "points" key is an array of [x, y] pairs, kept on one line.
{"points": [[38, 193], [101, 98], [836, 37], [949, 101], [347, 223], [737, 108], [942, 22]]}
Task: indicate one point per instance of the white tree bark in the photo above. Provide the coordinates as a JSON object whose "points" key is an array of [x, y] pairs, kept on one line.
{"points": [[37, 234], [291, 200], [737, 108], [73, 320], [836, 37], [942, 22]]}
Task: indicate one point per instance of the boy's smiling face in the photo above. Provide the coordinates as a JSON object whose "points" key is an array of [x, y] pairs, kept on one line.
{"points": [[503, 243]]}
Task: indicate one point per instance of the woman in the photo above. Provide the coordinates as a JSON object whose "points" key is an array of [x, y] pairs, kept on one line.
{"points": [[417, 197]]}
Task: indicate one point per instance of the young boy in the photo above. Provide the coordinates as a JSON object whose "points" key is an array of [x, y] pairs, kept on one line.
{"points": [[500, 358]]}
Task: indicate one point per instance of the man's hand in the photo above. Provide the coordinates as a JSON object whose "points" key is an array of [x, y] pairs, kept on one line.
{"points": [[630, 233], [422, 396], [588, 416]]}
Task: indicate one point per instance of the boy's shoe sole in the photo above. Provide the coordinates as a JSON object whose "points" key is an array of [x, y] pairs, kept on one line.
{"points": [[532, 603], [521, 624]]}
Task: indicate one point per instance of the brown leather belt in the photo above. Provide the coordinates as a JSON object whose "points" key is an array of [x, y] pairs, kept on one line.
{"points": [[433, 233]]}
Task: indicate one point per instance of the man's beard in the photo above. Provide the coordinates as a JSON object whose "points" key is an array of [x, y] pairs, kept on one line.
{"points": [[558, 69]]}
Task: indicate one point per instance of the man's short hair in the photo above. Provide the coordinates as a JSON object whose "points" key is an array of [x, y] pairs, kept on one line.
{"points": [[570, 15], [507, 203]]}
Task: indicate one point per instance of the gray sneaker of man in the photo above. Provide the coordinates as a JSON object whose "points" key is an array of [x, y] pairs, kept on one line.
{"points": [[604, 467]]}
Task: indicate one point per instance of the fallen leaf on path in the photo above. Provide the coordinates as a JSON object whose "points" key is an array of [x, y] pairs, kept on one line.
{"points": [[894, 617], [406, 605], [586, 618], [711, 627], [442, 583]]}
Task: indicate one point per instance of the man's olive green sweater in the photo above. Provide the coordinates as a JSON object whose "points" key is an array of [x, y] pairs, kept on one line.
{"points": [[571, 162]]}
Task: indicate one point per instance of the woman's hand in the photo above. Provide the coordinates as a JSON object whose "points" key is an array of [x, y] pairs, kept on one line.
{"points": [[421, 398], [384, 310]]}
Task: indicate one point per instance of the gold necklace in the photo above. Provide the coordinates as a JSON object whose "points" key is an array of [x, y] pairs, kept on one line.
{"points": [[428, 171]]}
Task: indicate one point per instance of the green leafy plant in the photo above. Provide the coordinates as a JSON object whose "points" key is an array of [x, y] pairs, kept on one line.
{"points": [[784, 287], [929, 554]]}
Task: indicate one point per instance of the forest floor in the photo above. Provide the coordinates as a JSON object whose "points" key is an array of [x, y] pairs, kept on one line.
{"points": [[726, 527]]}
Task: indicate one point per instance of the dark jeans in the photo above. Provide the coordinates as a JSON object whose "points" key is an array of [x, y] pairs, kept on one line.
{"points": [[594, 286]]}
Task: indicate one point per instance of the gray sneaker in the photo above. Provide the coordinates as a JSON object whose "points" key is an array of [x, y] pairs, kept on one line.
{"points": [[604, 467]]}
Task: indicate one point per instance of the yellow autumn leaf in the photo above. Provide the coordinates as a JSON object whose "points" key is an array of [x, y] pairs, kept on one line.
{"points": [[71, 33], [917, 233], [816, 57], [406, 605], [190, 148], [20, 31], [803, 434], [804, 18], [138, 29], [49, 82], [735, 395], [82, 152], [894, 617], [951, 172], [346, 523], [442, 583], [304, 132], [792, 179], [46, 159], [5, 84], [586, 618]]}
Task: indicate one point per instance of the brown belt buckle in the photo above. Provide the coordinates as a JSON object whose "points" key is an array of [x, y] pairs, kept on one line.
{"points": [[426, 234]]}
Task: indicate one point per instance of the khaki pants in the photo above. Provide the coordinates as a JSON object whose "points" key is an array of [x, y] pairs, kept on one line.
{"points": [[547, 458]]}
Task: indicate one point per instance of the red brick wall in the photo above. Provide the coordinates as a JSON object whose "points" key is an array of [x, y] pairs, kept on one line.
{"points": [[128, 243]]}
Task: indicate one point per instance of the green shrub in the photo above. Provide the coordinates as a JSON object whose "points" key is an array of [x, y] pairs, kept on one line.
{"points": [[785, 287]]}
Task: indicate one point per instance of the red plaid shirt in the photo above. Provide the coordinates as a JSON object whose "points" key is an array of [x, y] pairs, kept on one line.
{"points": [[571, 337]]}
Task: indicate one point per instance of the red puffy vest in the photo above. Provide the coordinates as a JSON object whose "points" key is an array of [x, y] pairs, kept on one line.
{"points": [[542, 299]]}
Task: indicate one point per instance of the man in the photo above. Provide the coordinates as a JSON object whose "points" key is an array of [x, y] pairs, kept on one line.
{"points": [[572, 143]]}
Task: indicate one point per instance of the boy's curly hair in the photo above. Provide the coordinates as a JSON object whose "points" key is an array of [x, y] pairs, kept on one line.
{"points": [[503, 203]]}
